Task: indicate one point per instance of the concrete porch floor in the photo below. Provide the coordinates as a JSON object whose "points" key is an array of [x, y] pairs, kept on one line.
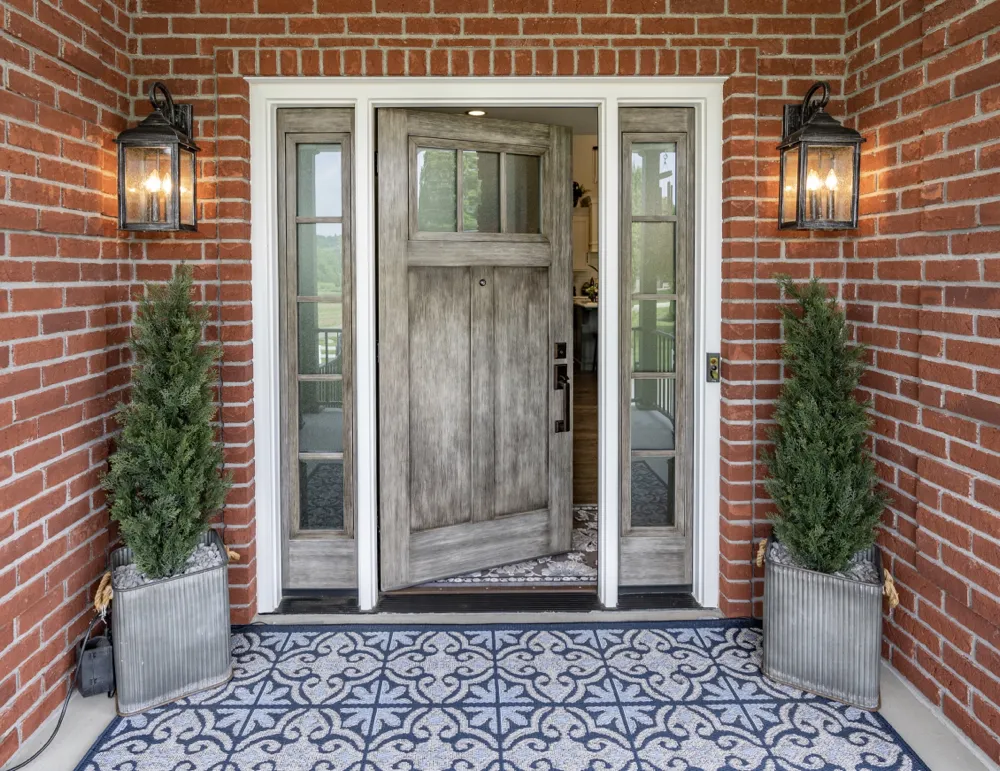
{"points": [[935, 740]]}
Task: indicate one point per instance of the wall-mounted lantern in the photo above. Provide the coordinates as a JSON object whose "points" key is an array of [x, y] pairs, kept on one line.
{"points": [[156, 168], [820, 167]]}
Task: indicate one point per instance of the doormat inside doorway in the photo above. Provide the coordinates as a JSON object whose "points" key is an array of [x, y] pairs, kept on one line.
{"points": [[539, 697]]}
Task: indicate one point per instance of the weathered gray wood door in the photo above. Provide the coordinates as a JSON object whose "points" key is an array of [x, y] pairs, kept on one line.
{"points": [[474, 346]]}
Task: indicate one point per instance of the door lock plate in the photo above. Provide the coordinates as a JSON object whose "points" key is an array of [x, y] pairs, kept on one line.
{"points": [[560, 351], [713, 367]]}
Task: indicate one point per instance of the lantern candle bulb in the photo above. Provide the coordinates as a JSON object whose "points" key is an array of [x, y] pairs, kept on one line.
{"points": [[831, 195], [812, 186], [153, 186]]}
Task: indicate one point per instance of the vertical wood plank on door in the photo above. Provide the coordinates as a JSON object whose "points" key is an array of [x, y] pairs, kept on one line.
{"points": [[439, 399], [557, 224], [393, 355], [521, 414], [483, 379]]}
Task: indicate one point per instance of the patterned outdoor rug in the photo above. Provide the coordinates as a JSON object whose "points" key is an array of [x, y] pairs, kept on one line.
{"points": [[559, 697]]}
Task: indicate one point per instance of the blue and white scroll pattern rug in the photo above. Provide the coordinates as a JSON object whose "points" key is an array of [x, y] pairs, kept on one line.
{"points": [[560, 697]]}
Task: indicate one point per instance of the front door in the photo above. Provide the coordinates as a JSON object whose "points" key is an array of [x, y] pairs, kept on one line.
{"points": [[474, 343]]}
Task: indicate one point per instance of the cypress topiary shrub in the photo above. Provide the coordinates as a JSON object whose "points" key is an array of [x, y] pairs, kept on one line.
{"points": [[821, 475], [164, 480]]}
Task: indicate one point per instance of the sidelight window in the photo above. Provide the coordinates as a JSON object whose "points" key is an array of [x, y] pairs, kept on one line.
{"points": [[316, 351]]}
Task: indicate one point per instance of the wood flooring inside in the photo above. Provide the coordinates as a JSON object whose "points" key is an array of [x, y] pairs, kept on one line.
{"points": [[585, 438]]}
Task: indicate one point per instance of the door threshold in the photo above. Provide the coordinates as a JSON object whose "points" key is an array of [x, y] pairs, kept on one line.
{"points": [[437, 603]]}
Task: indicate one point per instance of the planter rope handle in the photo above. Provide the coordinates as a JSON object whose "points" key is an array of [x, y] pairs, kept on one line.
{"points": [[889, 589], [760, 553], [234, 556], [102, 599]]}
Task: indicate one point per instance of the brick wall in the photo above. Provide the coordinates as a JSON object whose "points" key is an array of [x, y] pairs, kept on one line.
{"points": [[924, 291], [64, 73], [772, 50]]}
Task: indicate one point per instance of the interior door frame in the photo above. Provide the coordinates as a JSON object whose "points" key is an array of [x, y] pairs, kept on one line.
{"points": [[365, 95]]}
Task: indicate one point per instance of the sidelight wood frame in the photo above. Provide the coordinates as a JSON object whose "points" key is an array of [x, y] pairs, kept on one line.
{"points": [[365, 95], [313, 559], [652, 556]]}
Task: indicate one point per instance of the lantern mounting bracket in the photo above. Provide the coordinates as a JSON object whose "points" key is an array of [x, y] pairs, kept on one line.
{"points": [[795, 116], [180, 116]]}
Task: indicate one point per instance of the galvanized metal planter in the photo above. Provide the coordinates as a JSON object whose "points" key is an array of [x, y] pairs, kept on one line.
{"points": [[171, 637], [823, 633]]}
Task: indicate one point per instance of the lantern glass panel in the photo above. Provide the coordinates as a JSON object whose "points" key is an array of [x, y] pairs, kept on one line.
{"points": [[790, 191], [147, 185], [187, 172], [829, 183]]}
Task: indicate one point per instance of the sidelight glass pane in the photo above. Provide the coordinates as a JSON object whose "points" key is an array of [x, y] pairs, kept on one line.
{"points": [[437, 176], [654, 178], [480, 192], [320, 259], [524, 193], [321, 339], [654, 342], [320, 181], [321, 416], [652, 488], [321, 494], [653, 257], [652, 414]]}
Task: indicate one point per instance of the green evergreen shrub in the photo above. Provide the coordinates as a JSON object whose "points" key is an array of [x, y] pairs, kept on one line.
{"points": [[821, 475], [164, 480]]}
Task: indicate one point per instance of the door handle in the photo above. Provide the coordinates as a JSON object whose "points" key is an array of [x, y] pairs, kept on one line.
{"points": [[563, 384]]}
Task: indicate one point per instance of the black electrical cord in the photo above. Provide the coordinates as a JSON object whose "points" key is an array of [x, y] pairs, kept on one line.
{"points": [[72, 687]]}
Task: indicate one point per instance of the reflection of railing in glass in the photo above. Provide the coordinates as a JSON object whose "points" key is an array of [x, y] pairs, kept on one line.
{"points": [[658, 394], [330, 346]]}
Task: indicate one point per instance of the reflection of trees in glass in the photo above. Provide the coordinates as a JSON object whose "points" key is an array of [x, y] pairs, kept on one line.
{"points": [[329, 264], [652, 183], [437, 203], [480, 192]]}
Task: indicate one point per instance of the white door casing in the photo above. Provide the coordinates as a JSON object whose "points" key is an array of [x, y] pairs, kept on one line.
{"points": [[365, 95]]}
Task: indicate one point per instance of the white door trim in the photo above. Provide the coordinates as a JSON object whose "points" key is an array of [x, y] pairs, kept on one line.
{"points": [[365, 95]]}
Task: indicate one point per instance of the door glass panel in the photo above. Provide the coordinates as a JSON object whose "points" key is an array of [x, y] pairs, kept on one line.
{"points": [[320, 259], [321, 416], [321, 494], [652, 488], [524, 193], [321, 339], [437, 176], [654, 178], [652, 413], [654, 345], [480, 192], [320, 184], [653, 257]]}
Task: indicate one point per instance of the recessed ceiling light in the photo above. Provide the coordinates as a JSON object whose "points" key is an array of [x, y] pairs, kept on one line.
{"points": [[476, 113]]}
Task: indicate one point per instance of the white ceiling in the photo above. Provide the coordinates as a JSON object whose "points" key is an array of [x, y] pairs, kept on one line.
{"points": [[582, 120]]}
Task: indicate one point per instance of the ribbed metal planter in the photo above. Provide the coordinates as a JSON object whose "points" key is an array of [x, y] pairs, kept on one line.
{"points": [[171, 637], [823, 633]]}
